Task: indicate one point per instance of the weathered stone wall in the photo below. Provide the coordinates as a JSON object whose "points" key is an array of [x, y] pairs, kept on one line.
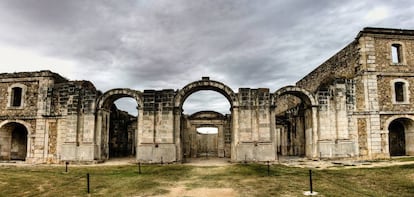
{"points": [[157, 138], [256, 133], [385, 93], [75, 102], [30, 98], [341, 65], [343, 108]]}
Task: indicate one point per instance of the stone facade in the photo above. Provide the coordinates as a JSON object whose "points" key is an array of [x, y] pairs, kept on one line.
{"points": [[358, 104]]}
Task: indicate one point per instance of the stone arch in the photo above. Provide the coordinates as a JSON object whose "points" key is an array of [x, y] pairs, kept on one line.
{"points": [[103, 121], [205, 84], [15, 140], [303, 94], [309, 140], [106, 99], [403, 136]]}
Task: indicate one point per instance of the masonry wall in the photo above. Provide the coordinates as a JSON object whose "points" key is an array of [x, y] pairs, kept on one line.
{"points": [[74, 103], [157, 137], [342, 65], [254, 123]]}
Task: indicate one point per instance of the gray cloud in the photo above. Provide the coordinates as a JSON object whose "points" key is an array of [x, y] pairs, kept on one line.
{"points": [[167, 44]]}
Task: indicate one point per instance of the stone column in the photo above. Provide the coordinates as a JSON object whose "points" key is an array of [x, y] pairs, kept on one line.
{"points": [[313, 138], [177, 132], [235, 132], [139, 130]]}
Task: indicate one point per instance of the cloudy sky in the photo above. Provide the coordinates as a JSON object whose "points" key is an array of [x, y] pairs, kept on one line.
{"points": [[156, 44]]}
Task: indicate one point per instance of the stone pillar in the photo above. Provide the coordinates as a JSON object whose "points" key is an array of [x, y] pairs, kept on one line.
{"points": [[177, 133], [220, 141], [313, 134], [139, 130], [235, 132]]}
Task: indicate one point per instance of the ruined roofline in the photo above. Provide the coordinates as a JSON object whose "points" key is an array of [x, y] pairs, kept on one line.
{"points": [[325, 64], [42, 73], [384, 31], [350, 47]]}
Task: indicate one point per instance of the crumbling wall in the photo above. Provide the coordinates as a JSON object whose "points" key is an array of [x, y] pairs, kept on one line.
{"points": [[341, 65], [157, 136]]}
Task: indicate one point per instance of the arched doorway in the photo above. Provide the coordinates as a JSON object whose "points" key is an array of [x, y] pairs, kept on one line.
{"points": [[400, 137], [13, 141], [181, 119], [117, 127], [295, 114]]}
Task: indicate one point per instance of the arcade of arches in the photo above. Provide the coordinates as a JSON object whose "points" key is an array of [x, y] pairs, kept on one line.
{"points": [[357, 104], [260, 127]]}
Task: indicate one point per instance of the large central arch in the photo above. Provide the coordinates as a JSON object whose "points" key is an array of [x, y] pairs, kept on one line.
{"points": [[104, 103], [204, 84]]}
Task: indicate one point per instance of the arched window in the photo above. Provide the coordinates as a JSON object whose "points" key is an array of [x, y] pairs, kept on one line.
{"points": [[396, 53], [16, 96]]}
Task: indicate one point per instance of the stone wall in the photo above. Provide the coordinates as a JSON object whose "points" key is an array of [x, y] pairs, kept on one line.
{"points": [[342, 65], [343, 108]]}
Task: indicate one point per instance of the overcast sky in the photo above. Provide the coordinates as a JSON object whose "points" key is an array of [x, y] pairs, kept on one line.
{"points": [[157, 44]]}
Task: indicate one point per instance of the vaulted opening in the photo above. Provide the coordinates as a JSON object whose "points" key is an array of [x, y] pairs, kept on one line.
{"points": [[294, 123], [401, 137], [13, 142], [206, 126], [118, 119], [122, 127]]}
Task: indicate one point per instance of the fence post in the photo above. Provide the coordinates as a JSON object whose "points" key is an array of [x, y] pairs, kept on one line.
{"points": [[87, 182], [310, 181], [139, 167]]}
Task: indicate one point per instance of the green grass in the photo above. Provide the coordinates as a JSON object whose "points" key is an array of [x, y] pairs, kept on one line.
{"points": [[246, 180], [402, 159]]}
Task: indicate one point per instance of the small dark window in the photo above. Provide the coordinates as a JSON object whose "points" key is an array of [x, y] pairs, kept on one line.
{"points": [[16, 97], [399, 91], [396, 53]]}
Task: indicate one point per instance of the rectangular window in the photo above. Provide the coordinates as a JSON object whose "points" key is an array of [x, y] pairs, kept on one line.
{"points": [[16, 97], [399, 91], [396, 53]]}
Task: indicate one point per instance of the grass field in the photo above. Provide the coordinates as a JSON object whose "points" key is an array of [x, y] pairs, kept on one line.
{"points": [[245, 180]]}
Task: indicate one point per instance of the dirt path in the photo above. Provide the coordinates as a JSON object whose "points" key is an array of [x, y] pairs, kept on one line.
{"points": [[200, 192]]}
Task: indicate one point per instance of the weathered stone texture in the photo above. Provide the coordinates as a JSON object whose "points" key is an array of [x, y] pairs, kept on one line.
{"points": [[346, 107], [341, 65]]}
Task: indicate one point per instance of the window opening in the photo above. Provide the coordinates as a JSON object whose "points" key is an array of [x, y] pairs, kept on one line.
{"points": [[399, 91], [207, 130], [16, 97], [396, 53]]}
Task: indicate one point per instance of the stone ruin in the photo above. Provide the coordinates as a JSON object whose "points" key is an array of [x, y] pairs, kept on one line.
{"points": [[358, 104]]}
